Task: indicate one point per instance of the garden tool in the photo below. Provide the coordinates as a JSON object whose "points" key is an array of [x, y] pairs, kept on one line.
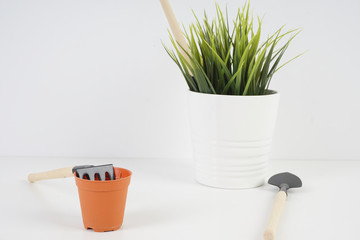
{"points": [[176, 30], [102, 202], [91, 172], [284, 181]]}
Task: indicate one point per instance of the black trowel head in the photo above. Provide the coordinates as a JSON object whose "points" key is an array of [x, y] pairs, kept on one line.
{"points": [[286, 178]]}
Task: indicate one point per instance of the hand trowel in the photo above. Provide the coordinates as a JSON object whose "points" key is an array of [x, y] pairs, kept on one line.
{"points": [[284, 181]]}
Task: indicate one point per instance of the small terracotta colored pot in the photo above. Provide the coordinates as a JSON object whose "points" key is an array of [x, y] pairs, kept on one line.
{"points": [[103, 202]]}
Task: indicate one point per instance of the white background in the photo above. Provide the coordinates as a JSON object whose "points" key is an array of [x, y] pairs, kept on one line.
{"points": [[90, 78]]}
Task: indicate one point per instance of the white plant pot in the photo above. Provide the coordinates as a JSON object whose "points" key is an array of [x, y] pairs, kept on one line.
{"points": [[232, 138]]}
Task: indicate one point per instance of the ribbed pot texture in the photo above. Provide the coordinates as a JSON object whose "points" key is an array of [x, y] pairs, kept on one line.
{"points": [[232, 138]]}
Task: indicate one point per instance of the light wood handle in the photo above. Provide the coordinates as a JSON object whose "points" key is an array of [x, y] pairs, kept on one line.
{"points": [[276, 212], [57, 173], [175, 28]]}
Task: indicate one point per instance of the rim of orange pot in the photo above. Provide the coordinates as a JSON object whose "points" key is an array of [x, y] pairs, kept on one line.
{"points": [[109, 185]]}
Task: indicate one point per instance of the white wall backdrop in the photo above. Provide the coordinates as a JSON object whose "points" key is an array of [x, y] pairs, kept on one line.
{"points": [[89, 78]]}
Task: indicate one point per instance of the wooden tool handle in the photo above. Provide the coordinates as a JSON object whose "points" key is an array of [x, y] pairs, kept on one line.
{"points": [[57, 173], [278, 207], [175, 28]]}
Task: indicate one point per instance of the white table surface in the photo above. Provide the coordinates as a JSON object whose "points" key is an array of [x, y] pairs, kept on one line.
{"points": [[164, 202]]}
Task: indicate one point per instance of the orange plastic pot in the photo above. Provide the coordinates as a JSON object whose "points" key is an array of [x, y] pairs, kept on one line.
{"points": [[103, 202]]}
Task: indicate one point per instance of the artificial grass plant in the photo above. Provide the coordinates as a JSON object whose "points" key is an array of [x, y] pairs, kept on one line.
{"points": [[230, 61]]}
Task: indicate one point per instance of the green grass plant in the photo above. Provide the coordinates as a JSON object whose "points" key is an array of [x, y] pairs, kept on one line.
{"points": [[230, 61]]}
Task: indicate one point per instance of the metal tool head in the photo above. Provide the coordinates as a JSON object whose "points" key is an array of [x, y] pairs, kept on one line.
{"points": [[285, 181], [91, 172]]}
